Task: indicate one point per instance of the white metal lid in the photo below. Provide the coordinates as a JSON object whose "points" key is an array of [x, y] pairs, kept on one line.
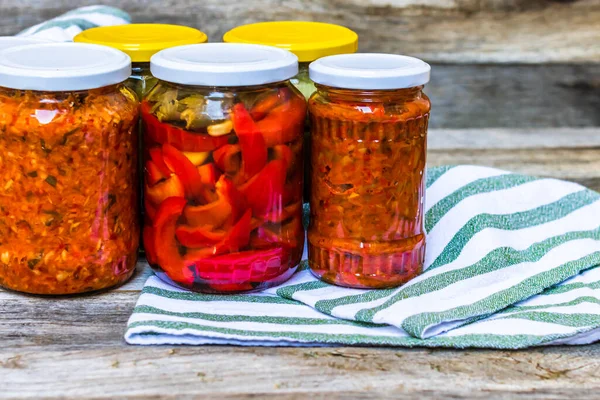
{"points": [[370, 71], [59, 67], [224, 64], [13, 41]]}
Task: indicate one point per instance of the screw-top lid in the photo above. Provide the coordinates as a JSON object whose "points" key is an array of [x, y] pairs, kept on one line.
{"points": [[307, 40], [62, 67], [142, 41], [13, 41], [224, 64], [370, 71]]}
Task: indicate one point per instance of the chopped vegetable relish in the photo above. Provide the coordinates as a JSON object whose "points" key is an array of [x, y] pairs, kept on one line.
{"points": [[68, 208], [368, 175]]}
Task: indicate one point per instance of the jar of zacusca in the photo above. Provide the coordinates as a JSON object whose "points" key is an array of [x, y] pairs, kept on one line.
{"points": [[369, 134], [68, 206]]}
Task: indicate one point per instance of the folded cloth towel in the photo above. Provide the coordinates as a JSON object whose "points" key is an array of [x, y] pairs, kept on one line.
{"points": [[501, 248], [65, 27]]}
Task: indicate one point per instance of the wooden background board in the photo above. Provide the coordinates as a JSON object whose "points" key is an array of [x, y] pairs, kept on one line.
{"points": [[442, 31], [74, 346], [499, 63]]}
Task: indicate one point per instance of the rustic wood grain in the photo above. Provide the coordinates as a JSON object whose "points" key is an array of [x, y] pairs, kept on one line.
{"points": [[515, 96], [73, 347], [251, 373], [465, 31]]}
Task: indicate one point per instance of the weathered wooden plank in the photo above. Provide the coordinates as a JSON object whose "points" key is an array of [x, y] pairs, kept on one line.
{"points": [[244, 373], [515, 96], [517, 138], [466, 31]]}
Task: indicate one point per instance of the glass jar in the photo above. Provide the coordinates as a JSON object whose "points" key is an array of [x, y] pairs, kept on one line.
{"points": [[223, 169], [369, 128], [309, 41], [68, 208]]}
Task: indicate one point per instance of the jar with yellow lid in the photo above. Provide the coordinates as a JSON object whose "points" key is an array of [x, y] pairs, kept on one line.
{"points": [[141, 42], [309, 41]]}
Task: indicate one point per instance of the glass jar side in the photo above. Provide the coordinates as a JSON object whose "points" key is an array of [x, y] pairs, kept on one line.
{"points": [[303, 82], [141, 80], [223, 185], [368, 184], [68, 221]]}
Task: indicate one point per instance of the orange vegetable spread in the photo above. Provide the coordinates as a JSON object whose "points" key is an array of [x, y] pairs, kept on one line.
{"points": [[368, 166], [68, 205]]}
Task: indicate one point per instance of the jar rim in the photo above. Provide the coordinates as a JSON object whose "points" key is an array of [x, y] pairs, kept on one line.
{"points": [[62, 67], [224, 64], [370, 71]]}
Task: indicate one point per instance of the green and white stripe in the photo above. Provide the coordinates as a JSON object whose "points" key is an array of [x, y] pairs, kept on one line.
{"points": [[499, 246], [65, 27]]}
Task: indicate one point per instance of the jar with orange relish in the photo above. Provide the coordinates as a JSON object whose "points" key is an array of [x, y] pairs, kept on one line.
{"points": [[369, 132], [68, 157]]}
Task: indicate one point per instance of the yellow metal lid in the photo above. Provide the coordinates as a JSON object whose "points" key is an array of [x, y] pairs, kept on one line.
{"points": [[142, 41], [309, 41]]}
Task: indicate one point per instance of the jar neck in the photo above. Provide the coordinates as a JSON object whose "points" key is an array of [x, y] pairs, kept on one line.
{"points": [[303, 67], [140, 68], [370, 96]]}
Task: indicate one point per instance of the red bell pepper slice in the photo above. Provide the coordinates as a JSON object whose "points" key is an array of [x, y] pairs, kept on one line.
{"points": [[284, 123], [242, 271], [208, 175], [157, 158], [265, 190], [266, 104], [149, 208], [198, 237], [284, 153], [236, 238], [147, 237], [215, 214], [158, 193], [287, 235], [226, 190], [281, 214], [159, 132], [251, 140], [227, 158], [153, 173], [226, 211], [187, 172], [165, 244]]}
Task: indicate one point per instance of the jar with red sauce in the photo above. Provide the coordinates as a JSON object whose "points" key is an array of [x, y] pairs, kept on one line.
{"points": [[68, 169], [223, 167], [369, 137]]}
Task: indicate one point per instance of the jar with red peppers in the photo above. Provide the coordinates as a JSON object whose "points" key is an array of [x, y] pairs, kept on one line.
{"points": [[369, 128], [223, 167]]}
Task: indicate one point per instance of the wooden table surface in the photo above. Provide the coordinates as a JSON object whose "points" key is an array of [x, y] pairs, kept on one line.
{"points": [[73, 347]]}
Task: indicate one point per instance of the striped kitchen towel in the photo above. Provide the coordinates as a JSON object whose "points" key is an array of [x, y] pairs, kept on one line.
{"points": [[510, 263], [65, 27]]}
